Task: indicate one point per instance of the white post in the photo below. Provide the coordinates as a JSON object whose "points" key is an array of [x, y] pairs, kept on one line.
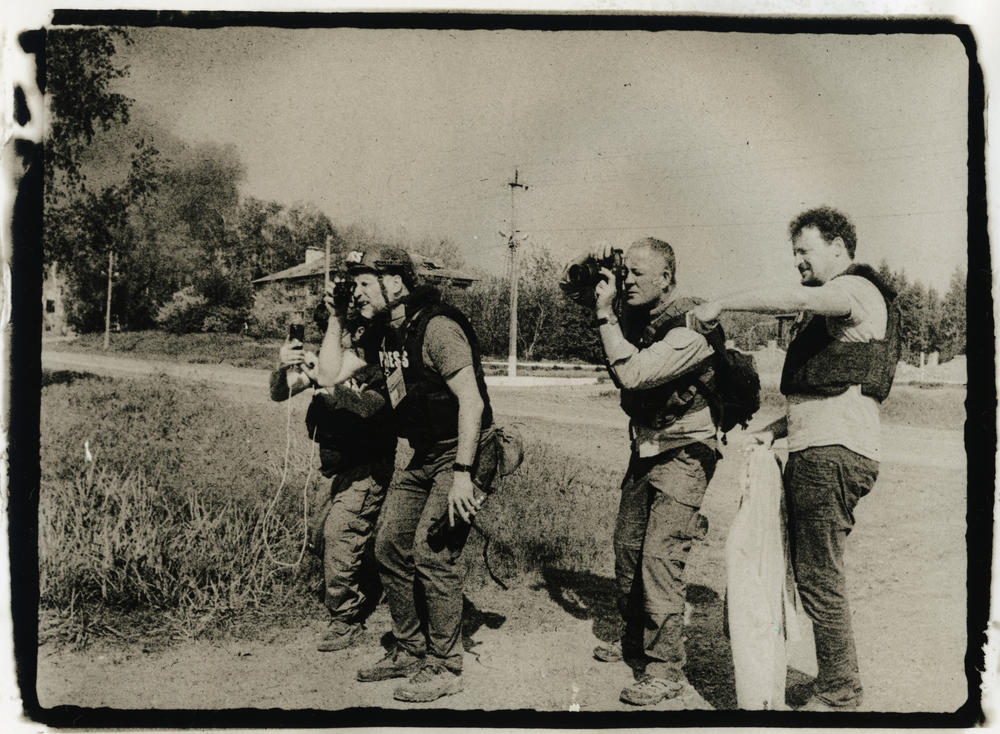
{"points": [[107, 309]]}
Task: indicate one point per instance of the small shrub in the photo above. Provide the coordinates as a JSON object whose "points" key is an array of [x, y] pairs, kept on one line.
{"points": [[270, 314], [183, 313]]}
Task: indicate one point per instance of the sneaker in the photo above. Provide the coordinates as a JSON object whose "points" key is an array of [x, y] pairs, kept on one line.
{"points": [[397, 663], [339, 635], [430, 683], [609, 652], [649, 690]]}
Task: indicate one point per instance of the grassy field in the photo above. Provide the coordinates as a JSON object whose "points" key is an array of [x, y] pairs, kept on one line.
{"points": [[187, 517]]}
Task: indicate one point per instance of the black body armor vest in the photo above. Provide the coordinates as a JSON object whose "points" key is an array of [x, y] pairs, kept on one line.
{"points": [[818, 364], [429, 410], [346, 439]]}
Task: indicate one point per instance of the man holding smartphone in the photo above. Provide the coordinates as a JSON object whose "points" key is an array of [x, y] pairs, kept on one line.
{"points": [[357, 445]]}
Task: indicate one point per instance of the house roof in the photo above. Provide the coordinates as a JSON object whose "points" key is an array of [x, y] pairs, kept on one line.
{"points": [[425, 268]]}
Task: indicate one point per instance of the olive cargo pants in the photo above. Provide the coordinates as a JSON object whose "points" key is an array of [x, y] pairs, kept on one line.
{"points": [[657, 522], [343, 527]]}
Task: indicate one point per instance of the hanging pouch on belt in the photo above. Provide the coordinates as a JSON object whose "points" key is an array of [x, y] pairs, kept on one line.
{"points": [[511, 446]]}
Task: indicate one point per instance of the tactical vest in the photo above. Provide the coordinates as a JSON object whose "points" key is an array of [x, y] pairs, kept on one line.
{"points": [[346, 439], [660, 406], [819, 364], [429, 410]]}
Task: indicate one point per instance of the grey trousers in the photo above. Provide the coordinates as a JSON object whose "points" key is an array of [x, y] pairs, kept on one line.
{"points": [[823, 486]]}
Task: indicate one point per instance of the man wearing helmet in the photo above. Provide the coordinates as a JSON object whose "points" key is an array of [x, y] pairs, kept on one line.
{"points": [[429, 355]]}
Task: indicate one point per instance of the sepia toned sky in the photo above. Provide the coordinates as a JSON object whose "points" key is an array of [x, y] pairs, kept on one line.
{"points": [[712, 141]]}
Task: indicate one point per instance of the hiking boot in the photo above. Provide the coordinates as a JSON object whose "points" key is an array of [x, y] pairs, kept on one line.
{"points": [[839, 700], [397, 663], [817, 704], [430, 683], [339, 635], [609, 652], [649, 690]]}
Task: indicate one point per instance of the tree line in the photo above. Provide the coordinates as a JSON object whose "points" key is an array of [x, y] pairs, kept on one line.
{"points": [[151, 231], [550, 327]]}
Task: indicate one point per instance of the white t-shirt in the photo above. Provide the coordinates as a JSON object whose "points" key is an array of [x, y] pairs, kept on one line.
{"points": [[850, 419]]}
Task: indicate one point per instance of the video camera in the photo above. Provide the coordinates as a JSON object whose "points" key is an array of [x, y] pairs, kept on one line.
{"points": [[343, 292], [582, 277]]}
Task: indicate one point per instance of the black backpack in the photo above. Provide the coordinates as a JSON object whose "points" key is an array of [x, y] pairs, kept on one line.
{"points": [[737, 386]]}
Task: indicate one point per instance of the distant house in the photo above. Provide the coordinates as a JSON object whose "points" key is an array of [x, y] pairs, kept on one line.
{"points": [[53, 309], [299, 287]]}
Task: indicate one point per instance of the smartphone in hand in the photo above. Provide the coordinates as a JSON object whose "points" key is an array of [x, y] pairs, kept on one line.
{"points": [[297, 331]]}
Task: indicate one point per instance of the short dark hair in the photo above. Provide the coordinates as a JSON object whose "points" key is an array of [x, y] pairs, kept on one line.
{"points": [[664, 250], [831, 225]]}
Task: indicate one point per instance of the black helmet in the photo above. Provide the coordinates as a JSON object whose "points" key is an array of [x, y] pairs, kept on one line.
{"points": [[382, 261]]}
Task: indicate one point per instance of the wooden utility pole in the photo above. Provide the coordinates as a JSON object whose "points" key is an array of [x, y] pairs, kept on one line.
{"points": [[107, 309], [512, 242]]}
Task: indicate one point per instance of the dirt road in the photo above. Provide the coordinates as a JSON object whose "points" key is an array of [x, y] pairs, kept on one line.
{"points": [[530, 648]]}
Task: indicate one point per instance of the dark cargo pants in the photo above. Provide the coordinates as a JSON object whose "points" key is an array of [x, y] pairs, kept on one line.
{"points": [[417, 497], [657, 521], [823, 485], [348, 517]]}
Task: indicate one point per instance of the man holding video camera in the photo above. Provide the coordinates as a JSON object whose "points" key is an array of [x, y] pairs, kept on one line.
{"points": [[665, 373], [429, 356], [351, 424]]}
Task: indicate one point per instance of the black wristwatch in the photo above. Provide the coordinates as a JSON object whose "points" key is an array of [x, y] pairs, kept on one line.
{"points": [[602, 320], [458, 466]]}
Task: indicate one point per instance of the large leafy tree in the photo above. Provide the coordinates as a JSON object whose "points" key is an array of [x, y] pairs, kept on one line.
{"points": [[201, 190], [93, 203], [953, 317], [80, 71], [102, 231], [269, 237]]}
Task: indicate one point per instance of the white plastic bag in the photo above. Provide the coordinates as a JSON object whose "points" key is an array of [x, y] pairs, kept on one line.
{"points": [[761, 601]]}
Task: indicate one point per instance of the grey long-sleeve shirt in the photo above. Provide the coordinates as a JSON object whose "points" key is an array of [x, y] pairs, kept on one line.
{"points": [[678, 352]]}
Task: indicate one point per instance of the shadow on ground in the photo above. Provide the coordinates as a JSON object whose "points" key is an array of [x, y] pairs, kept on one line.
{"points": [[709, 666], [473, 619], [585, 595], [709, 657], [66, 377]]}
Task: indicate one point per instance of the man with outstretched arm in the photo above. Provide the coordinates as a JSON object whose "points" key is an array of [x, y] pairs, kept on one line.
{"points": [[430, 358], [838, 369], [665, 372]]}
